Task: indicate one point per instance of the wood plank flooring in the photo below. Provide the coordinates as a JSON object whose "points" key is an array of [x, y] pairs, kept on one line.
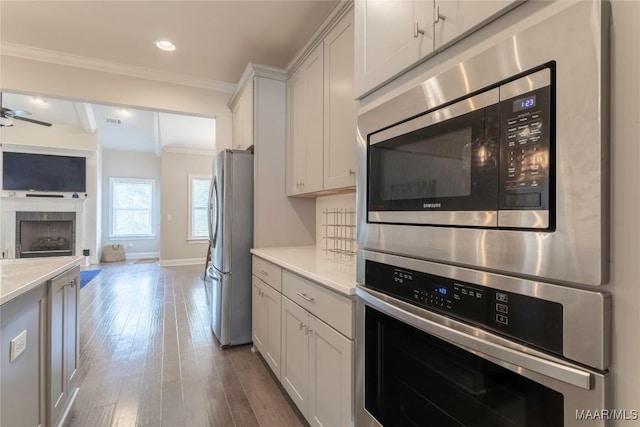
{"points": [[148, 357]]}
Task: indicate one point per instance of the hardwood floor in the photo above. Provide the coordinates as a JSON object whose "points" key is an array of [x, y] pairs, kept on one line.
{"points": [[149, 358]]}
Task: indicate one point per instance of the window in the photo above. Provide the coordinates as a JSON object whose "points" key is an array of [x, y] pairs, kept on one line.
{"points": [[198, 207], [131, 207]]}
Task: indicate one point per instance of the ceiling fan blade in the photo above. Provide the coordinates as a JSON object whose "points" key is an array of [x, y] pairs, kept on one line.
{"points": [[24, 119], [14, 113]]}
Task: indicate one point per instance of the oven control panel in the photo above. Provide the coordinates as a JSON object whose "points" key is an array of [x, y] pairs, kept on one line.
{"points": [[532, 320]]}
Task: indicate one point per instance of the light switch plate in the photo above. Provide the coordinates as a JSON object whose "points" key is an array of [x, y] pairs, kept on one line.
{"points": [[18, 346]]}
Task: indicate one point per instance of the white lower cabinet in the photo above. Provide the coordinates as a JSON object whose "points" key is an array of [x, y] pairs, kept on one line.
{"points": [[266, 323], [317, 366], [305, 331]]}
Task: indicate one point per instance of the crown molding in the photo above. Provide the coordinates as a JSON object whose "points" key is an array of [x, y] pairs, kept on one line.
{"points": [[256, 70], [54, 57], [336, 14]]}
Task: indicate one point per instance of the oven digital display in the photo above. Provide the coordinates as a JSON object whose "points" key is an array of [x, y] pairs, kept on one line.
{"points": [[524, 103], [441, 290]]}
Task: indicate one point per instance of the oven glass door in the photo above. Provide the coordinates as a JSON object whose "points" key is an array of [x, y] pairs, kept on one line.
{"points": [[446, 160], [415, 379]]}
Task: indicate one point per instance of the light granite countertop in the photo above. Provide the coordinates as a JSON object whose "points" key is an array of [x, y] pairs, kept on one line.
{"points": [[18, 276], [333, 271]]}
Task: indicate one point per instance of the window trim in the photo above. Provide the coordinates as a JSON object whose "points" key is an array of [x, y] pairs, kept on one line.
{"points": [[112, 235], [190, 237]]}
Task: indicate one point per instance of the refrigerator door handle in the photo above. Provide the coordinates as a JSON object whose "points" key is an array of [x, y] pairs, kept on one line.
{"points": [[209, 218], [213, 206]]}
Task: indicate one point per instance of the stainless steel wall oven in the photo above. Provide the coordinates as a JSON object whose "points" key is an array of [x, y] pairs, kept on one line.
{"points": [[447, 346], [483, 235]]}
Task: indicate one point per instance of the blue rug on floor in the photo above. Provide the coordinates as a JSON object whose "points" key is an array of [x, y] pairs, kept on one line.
{"points": [[86, 276]]}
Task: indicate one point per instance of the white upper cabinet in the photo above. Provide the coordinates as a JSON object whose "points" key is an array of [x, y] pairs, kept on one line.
{"points": [[242, 120], [305, 100], [322, 113], [340, 107], [391, 36], [455, 19]]}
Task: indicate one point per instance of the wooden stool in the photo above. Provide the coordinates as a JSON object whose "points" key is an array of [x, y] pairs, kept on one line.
{"points": [[206, 263]]}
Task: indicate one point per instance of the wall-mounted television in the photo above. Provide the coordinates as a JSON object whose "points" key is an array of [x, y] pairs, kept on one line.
{"points": [[43, 172]]}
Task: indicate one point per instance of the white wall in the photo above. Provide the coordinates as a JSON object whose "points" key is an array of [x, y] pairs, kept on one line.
{"points": [[176, 167], [131, 164]]}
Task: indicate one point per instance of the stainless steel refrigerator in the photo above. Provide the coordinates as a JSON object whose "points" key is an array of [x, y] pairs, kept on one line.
{"points": [[231, 237]]}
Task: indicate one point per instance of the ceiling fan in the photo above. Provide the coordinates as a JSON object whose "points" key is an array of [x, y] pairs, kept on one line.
{"points": [[7, 115]]}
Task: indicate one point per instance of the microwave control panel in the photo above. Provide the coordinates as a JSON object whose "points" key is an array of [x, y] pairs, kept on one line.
{"points": [[525, 155], [532, 320]]}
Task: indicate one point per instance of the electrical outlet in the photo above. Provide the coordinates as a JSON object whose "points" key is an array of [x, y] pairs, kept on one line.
{"points": [[18, 345]]}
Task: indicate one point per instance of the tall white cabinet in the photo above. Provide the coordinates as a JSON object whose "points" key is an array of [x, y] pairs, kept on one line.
{"points": [[258, 107], [391, 36], [322, 113]]}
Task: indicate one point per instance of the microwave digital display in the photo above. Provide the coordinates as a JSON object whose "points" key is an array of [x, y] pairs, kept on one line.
{"points": [[524, 103]]}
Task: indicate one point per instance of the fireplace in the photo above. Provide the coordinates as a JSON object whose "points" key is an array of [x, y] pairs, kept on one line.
{"points": [[42, 234]]}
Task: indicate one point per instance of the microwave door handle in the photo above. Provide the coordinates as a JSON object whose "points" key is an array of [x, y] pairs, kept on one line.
{"points": [[510, 359]]}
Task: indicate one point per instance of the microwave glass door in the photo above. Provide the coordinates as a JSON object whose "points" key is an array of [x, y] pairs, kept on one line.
{"points": [[444, 161]]}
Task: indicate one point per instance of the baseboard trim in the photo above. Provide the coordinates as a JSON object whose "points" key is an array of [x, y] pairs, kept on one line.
{"points": [[138, 255], [179, 262]]}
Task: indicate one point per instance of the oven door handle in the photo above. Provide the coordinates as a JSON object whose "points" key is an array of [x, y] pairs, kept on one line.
{"points": [[508, 358]]}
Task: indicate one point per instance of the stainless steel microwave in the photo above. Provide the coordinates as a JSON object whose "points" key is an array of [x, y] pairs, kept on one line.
{"points": [[498, 159], [482, 161]]}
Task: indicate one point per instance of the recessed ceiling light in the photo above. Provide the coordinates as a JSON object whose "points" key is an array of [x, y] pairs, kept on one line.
{"points": [[39, 100], [124, 111], [165, 45]]}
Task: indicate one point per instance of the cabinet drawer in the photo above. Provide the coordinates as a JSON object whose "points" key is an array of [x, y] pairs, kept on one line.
{"points": [[267, 272], [329, 306]]}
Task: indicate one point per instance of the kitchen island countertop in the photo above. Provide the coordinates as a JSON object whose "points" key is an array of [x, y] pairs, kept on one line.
{"points": [[333, 271], [18, 276]]}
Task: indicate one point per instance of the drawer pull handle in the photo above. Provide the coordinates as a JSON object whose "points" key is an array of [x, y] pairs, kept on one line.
{"points": [[263, 272], [302, 325], [305, 297]]}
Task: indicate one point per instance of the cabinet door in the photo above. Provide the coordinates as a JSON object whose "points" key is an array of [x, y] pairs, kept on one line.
{"points": [[273, 315], [242, 120], [296, 145], [57, 384], [390, 36], [313, 109], [294, 373], [258, 315], [266, 324], [71, 330], [340, 107], [456, 19], [330, 376]]}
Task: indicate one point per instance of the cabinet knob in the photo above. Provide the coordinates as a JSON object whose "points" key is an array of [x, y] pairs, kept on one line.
{"points": [[264, 273], [302, 325]]}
